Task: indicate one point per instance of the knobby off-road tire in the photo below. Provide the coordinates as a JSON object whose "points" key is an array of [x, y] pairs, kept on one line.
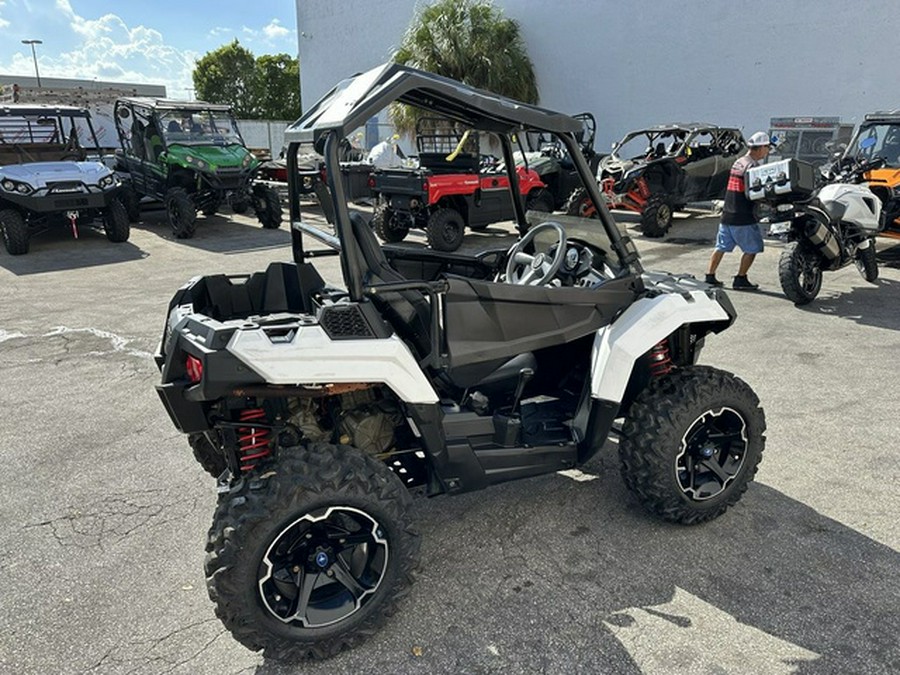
{"points": [[579, 204], [353, 508], [445, 230], [181, 212], [132, 202], [384, 222], [14, 231], [267, 206], [656, 217], [539, 200], [800, 273], [692, 442], [211, 208], [867, 263], [207, 455], [115, 222]]}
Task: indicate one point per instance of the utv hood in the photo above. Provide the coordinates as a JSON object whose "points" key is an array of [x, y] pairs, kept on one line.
{"points": [[214, 156], [39, 174]]}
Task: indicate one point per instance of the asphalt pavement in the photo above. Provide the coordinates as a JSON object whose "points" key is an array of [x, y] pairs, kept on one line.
{"points": [[104, 512]]}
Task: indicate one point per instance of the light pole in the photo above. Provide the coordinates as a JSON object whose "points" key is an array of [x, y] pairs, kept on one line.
{"points": [[34, 56], [190, 93]]}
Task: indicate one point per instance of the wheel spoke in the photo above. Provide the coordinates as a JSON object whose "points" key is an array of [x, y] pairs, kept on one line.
{"points": [[713, 466], [343, 574], [528, 276], [305, 583], [521, 258]]}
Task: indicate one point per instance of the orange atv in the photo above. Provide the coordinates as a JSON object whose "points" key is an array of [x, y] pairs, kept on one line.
{"points": [[884, 128]]}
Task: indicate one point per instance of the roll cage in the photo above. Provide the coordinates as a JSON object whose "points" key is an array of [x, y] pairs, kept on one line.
{"points": [[355, 100]]}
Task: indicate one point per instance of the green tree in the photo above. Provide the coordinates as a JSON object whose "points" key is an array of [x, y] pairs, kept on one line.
{"points": [[279, 96], [267, 87], [470, 41], [228, 75]]}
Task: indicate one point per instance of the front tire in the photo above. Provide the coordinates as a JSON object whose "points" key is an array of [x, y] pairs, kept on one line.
{"points": [[384, 222], [132, 202], [115, 222], [15, 232], [656, 216], [800, 273], [181, 212], [308, 555], [866, 262], [445, 230], [207, 455], [267, 205], [692, 442]]}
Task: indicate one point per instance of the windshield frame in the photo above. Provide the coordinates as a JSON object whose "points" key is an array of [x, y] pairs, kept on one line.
{"points": [[205, 127]]}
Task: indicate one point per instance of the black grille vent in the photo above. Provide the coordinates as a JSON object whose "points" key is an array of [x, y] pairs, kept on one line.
{"points": [[345, 321]]}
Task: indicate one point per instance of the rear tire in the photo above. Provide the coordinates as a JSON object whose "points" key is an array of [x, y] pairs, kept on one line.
{"points": [[384, 222], [692, 442], [800, 273], [579, 204], [132, 202], [656, 217], [866, 262], [267, 206], [15, 232], [207, 455], [324, 515], [181, 213], [539, 200], [115, 222], [445, 230]]}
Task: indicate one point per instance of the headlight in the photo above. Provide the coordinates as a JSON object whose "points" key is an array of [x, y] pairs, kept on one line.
{"points": [[247, 160], [24, 189], [106, 181], [199, 163], [8, 185]]}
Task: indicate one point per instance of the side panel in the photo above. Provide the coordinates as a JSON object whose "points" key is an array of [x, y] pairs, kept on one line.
{"points": [[646, 322], [311, 357]]}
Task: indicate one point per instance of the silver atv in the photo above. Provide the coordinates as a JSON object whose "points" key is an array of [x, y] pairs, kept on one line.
{"points": [[323, 410], [47, 177]]}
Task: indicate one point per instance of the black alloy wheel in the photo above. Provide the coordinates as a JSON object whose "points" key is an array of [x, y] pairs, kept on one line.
{"points": [[656, 216]]}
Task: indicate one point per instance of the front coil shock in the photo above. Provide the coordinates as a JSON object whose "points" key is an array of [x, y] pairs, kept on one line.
{"points": [[253, 442], [660, 360]]}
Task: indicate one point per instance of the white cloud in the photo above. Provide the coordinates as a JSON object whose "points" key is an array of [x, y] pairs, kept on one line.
{"points": [[219, 30], [3, 22], [275, 30]]}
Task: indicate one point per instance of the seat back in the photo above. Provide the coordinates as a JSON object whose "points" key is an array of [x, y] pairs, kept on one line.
{"points": [[408, 312]]}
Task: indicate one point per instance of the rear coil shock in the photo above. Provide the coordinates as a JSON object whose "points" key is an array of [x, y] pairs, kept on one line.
{"points": [[660, 360], [253, 442]]}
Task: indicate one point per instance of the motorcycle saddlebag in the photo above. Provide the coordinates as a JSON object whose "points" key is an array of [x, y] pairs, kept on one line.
{"points": [[785, 180]]}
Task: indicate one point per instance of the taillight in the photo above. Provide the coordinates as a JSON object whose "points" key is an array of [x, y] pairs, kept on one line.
{"points": [[425, 186], [194, 368], [371, 182]]}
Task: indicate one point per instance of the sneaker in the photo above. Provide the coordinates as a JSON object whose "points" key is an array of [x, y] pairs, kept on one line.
{"points": [[712, 281], [743, 284]]}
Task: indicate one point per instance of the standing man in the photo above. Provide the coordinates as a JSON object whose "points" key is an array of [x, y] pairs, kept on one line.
{"points": [[739, 226]]}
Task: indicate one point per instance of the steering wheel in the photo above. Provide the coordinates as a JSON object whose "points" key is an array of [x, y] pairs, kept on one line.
{"points": [[524, 269]]}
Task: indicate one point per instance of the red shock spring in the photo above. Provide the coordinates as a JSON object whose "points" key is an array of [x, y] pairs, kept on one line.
{"points": [[660, 361], [253, 442]]}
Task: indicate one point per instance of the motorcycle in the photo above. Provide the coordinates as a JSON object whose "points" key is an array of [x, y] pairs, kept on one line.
{"points": [[828, 224]]}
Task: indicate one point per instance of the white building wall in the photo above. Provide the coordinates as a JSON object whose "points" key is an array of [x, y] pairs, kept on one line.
{"points": [[637, 63]]}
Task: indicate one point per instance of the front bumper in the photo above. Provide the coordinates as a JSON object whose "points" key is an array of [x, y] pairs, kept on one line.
{"points": [[52, 200]]}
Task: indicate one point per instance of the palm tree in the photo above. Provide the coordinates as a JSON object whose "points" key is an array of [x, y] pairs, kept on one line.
{"points": [[469, 41]]}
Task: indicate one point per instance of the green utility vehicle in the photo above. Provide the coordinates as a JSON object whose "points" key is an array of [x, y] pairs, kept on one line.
{"points": [[191, 156]]}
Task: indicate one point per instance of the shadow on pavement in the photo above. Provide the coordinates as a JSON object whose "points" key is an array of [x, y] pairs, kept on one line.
{"points": [[221, 234], [557, 576], [56, 249], [871, 305]]}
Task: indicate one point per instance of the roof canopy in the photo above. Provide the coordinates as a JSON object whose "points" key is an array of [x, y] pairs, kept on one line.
{"points": [[682, 126], [353, 101], [173, 104], [21, 109]]}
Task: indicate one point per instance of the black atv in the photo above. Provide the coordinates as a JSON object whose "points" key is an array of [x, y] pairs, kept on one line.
{"points": [[189, 155], [659, 170]]}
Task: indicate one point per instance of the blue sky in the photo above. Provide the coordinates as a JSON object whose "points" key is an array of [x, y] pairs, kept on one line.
{"points": [[137, 40]]}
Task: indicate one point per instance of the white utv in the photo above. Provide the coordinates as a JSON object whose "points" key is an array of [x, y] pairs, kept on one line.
{"points": [[321, 410], [47, 179]]}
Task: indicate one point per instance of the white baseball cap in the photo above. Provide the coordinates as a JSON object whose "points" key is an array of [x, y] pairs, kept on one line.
{"points": [[759, 139]]}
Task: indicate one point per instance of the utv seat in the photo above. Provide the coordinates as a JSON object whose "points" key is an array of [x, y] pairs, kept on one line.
{"points": [[409, 313]]}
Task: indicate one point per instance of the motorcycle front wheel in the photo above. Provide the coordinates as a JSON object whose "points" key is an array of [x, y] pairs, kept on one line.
{"points": [[800, 273], [866, 262]]}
